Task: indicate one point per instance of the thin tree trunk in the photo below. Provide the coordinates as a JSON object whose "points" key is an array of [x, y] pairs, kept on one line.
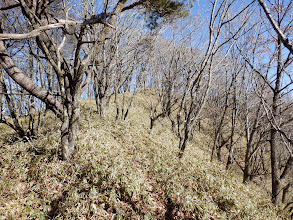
{"points": [[234, 112], [1, 97], [276, 184], [16, 124], [249, 140], [247, 166], [285, 192]]}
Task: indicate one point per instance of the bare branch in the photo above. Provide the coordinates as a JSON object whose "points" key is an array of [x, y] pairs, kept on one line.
{"points": [[5, 93], [252, 67], [33, 33], [277, 29], [86, 82], [25, 82], [10, 7], [61, 24], [288, 168], [133, 5]]}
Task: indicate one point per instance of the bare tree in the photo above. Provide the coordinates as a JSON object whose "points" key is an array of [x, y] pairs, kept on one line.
{"points": [[276, 25], [52, 32], [220, 22], [275, 72], [15, 125]]}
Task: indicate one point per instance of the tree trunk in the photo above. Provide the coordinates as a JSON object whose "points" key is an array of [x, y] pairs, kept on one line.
{"points": [[234, 114], [219, 155], [247, 166], [12, 109], [249, 143], [69, 128], [26, 83], [184, 138], [276, 183]]}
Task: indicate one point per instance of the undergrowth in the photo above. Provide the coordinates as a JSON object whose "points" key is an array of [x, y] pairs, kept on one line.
{"points": [[122, 171]]}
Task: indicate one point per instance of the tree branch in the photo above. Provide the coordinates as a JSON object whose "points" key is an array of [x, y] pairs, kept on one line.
{"points": [[277, 29], [60, 24], [10, 7], [86, 82], [133, 5], [288, 169], [25, 82]]}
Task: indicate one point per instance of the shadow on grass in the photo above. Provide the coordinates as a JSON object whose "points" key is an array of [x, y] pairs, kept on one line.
{"points": [[170, 208], [56, 205]]}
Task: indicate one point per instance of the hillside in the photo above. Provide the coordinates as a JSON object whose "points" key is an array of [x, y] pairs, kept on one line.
{"points": [[122, 171]]}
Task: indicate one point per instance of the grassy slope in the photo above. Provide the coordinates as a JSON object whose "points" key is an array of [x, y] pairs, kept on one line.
{"points": [[121, 171]]}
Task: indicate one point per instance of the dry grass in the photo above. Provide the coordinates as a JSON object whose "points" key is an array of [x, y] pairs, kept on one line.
{"points": [[122, 171]]}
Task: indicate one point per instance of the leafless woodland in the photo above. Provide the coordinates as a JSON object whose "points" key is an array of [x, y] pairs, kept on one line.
{"points": [[225, 65]]}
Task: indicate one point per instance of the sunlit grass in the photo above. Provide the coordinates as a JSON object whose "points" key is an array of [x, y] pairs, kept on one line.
{"points": [[123, 171]]}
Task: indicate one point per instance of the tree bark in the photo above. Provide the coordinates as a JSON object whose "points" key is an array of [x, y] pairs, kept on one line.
{"points": [[69, 128], [276, 183], [233, 126], [249, 141]]}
